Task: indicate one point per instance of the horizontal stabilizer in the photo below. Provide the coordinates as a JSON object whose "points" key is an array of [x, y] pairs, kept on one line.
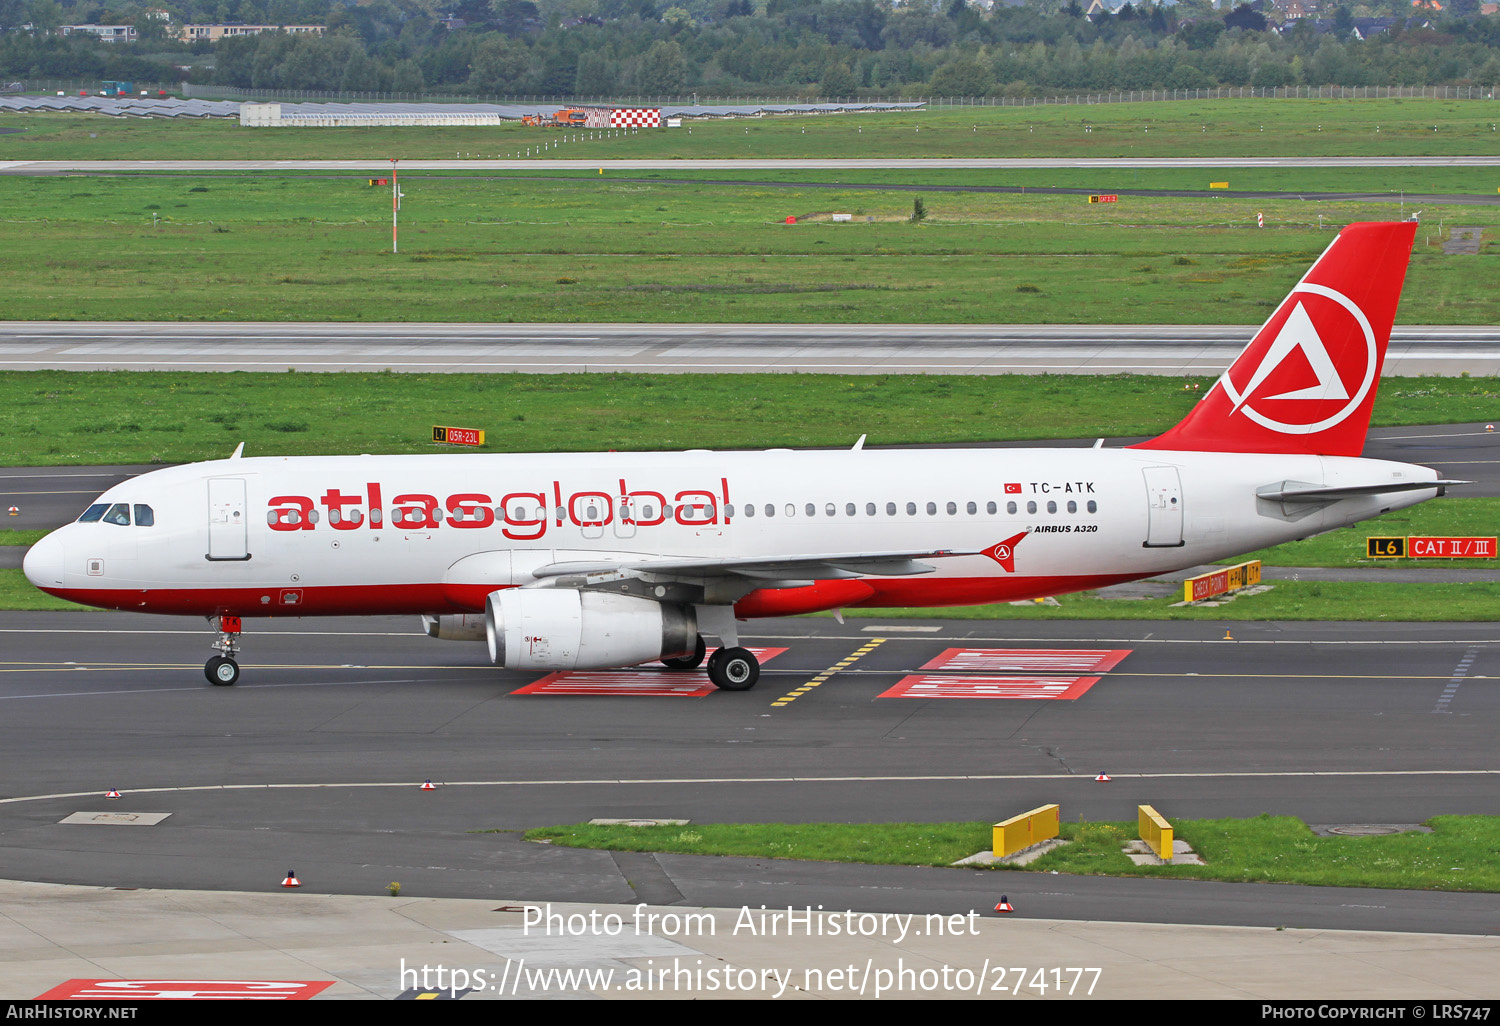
{"points": [[1300, 491]]}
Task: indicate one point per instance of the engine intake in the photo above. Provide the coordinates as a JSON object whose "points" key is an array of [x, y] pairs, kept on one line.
{"points": [[565, 629]]}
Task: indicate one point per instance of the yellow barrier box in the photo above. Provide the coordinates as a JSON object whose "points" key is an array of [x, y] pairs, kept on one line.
{"points": [[1025, 830], [1155, 831]]}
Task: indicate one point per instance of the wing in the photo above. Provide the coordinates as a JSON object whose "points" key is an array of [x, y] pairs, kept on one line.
{"points": [[781, 569]]}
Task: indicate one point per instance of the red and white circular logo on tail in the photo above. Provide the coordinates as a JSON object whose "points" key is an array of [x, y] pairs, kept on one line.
{"points": [[1317, 369]]}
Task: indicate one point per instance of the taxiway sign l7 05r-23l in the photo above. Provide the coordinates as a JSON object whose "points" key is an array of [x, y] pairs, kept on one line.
{"points": [[610, 559]]}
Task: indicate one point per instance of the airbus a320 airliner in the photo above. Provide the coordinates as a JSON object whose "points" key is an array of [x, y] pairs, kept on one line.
{"points": [[594, 560]]}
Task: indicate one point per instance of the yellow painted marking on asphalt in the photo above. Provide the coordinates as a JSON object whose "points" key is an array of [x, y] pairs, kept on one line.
{"points": [[796, 693]]}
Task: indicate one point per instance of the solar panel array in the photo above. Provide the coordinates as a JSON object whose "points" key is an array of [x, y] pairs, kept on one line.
{"points": [[171, 107]]}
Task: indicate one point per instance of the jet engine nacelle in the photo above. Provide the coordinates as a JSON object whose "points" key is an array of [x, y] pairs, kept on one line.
{"points": [[459, 627], [565, 629]]}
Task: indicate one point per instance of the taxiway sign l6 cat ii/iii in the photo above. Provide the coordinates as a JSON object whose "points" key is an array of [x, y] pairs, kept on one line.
{"points": [[595, 560]]}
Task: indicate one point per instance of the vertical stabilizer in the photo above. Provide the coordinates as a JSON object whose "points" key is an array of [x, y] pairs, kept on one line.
{"points": [[1306, 383]]}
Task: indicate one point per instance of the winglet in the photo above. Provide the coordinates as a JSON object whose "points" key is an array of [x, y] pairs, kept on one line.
{"points": [[239, 450], [859, 444]]}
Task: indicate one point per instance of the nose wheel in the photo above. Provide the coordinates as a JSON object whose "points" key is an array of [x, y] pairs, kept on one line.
{"points": [[222, 670]]}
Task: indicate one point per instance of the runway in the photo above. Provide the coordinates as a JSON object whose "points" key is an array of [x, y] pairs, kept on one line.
{"points": [[1175, 350], [314, 759]]}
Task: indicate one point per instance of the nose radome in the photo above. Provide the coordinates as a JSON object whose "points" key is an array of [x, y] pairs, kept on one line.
{"points": [[43, 565]]}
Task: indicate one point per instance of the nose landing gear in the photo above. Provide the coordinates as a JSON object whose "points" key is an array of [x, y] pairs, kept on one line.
{"points": [[222, 670]]}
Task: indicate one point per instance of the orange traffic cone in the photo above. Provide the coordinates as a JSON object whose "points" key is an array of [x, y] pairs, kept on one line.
{"points": [[291, 879], [1004, 905]]}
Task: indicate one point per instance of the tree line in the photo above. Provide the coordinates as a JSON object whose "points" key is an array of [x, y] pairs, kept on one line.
{"points": [[788, 48]]}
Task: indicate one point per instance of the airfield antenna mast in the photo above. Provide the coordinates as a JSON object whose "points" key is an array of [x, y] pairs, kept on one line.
{"points": [[395, 203]]}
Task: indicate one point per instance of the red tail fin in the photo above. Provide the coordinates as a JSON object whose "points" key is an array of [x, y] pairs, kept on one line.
{"points": [[1306, 382]]}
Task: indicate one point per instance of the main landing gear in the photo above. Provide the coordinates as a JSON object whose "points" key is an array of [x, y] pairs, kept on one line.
{"points": [[733, 669], [222, 670], [730, 669], [688, 662]]}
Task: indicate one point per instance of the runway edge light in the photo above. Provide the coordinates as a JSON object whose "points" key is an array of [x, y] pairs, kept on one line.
{"points": [[291, 879], [1005, 905], [111, 793], [429, 785]]}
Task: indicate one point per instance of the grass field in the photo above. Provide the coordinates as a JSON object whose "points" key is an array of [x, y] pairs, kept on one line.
{"points": [[713, 247], [1457, 855], [1453, 515], [277, 248], [1252, 128], [50, 418]]}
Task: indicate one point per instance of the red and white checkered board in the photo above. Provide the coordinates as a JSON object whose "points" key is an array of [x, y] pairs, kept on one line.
{"points": [[636, 680], [635, 117], [951, 685]]}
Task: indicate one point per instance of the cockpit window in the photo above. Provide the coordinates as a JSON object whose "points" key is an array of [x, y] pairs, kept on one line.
{"points": [[144, 515], [93, 513], [119, 514]]}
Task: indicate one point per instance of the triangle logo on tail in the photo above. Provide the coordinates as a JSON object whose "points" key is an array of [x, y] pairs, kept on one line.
{"points": [[1298, 334]]}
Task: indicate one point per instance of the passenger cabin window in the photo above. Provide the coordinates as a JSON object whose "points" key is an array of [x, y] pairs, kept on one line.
{"points": [[93, 513], [1010, 507]]}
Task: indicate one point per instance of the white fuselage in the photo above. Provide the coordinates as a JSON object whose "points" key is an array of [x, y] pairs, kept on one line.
{"points": [[436, 534]]}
